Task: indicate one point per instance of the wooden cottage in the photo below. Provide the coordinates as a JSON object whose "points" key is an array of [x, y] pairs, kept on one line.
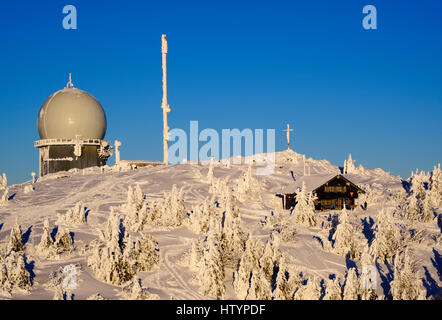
{"points": [[332, 192]]}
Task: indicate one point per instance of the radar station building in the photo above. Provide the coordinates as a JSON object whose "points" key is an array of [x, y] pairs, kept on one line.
{"points": [[72, 125]]}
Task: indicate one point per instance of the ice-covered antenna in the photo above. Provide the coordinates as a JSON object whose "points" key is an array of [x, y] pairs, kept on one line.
{"points": [[70, 84], [164, 105]]}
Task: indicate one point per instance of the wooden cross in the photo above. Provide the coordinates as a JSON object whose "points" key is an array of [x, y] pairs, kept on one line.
{"points": [[288, 135]]}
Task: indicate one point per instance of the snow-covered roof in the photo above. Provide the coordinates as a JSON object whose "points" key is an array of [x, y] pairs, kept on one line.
{"points": [[312, 182]]}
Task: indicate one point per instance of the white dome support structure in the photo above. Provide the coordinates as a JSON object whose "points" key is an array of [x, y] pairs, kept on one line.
{"points": [[117, 144], [33, 177], [164, 105]]}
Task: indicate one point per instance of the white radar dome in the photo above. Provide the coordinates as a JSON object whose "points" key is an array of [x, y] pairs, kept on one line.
{"points": [[71, 113]]}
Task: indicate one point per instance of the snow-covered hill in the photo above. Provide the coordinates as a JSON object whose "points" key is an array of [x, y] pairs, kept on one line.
{"points": [[308, 249]]}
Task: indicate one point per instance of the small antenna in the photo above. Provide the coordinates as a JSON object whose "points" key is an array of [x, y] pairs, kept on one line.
{"points": [[70, 84]]}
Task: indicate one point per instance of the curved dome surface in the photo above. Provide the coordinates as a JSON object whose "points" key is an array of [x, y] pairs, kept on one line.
{"points": [[71, 113]]}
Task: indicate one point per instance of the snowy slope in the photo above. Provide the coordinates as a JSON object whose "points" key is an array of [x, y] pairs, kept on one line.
{"points": [[98, 191]]}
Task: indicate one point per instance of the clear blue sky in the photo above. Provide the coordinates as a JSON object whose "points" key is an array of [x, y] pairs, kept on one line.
{"points": [[233, 64]]}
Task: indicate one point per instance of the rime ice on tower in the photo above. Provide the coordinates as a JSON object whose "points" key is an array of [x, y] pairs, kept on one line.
{"points": [[72, 125]]}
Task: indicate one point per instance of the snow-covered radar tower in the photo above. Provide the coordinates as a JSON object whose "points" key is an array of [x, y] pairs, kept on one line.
{"points": [[72, 126]]}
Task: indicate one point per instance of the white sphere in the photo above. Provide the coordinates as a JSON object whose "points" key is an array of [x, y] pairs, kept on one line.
{"points": [[70, 113]]}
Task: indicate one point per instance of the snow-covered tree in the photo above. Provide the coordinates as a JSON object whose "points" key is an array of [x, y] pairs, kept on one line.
{"points": [[407, 283], [351, 286], [63, 241], [46, 246], [248, 187], [15, 242], [435, 192], [210, 172], [211, 275], [343, 237], [4, 197], [249, 261], [13, 274], [198, 219], [304, 213], [74, 216], [367, 280], [349, 165], [387, 238], [260, 288], [310, 291], [284, 287], [3, 182], [333, 290]]}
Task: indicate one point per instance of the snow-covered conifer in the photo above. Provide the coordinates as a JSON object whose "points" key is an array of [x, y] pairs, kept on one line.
{"points": [[74, 216], [211, 275], [351, 286], [310, 291], [3, 182], [387, 238], [15, 242], [260, 288], [367, 279], [333, 290], [13, 274], [303, 213], [4, 198], [343, 237], [407, 284], [63, 241]]}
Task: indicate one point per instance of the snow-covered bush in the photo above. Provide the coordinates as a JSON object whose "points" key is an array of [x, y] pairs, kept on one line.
{"points": [[74, 216], [28, 189], [13, 274], [304, 211]]}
